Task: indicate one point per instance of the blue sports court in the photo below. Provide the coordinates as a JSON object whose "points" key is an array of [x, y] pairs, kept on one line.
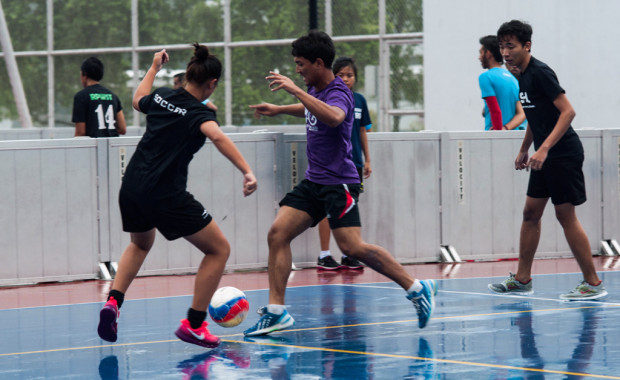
{"points": [[345, 329]]}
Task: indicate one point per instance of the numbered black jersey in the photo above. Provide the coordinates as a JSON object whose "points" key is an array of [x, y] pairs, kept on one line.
{"points": [[97, 107]]}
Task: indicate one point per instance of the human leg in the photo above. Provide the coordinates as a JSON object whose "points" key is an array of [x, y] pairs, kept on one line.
{"points": [[289, 223], [592, 286], [129, 265], [520, 283], [529, 236], [132, 259], [213, 244], [421, 293], [325, 260]]}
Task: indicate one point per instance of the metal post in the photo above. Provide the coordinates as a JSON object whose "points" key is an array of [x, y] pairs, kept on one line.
{"points": [[384, 73], [51, 82], [227, 63], [328, 18], [135, 59], [314, 18], [14, 78]]}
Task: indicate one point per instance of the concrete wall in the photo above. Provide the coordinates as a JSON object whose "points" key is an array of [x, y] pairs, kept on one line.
{"points": [[574, 37]]}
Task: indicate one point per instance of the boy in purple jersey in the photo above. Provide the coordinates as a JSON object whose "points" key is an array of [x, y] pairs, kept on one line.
{"points": [[331, 186]]}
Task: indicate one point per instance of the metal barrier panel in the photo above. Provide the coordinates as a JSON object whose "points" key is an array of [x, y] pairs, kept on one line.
{"points": [[60, 200], [48, 197], [217, 184], [51, 133], [483, 196], [610, 154]]}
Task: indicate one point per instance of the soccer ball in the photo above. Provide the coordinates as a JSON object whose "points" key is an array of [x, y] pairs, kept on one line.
{"points": [[228, 307]]}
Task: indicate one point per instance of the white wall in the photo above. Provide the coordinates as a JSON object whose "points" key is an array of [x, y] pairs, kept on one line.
{"points": [[576, 38]]}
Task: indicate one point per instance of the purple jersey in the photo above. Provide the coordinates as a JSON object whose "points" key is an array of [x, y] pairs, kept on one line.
{"points": [[330, 161]]}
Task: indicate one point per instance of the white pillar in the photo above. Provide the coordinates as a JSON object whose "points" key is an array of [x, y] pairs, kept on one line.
{"points": [[14, 77]]}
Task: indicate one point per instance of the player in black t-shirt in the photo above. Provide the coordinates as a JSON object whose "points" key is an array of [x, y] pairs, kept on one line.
{"points": [[97, 112], [556, 166], [153, 194]]}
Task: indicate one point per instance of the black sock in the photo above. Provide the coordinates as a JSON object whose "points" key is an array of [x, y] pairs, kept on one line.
{"points": [[118, 296], [196, 317]]}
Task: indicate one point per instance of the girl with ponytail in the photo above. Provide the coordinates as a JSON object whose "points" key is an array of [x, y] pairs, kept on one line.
{"points": [[154, 194]]}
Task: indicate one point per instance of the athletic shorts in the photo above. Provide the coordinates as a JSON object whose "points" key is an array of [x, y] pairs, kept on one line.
{"points": [[561, 180], [174, 218], [337, 202]]}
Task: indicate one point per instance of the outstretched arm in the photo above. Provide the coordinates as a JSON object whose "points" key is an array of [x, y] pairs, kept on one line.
{"points": [[144, 88]]}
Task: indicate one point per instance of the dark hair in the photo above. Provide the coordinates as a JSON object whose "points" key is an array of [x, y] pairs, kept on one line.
{"points": [[92, 67], [521, 30], [179, 76], [342, 62], [491, 43], [203, 66], [315, 45]]}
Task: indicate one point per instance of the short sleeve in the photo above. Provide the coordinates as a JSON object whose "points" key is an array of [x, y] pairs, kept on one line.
{"points": [[548, 83], [365, 120], [485, 85], [80, 109]]}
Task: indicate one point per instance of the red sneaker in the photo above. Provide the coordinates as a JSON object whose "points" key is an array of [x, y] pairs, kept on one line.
{"points": [[108, 321], [200, 336]]}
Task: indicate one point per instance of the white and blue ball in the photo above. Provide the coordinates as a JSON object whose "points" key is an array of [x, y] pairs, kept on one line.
{"points": [[228, 307]]}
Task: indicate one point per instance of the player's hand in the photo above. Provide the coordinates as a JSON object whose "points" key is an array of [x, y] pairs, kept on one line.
{"points": [[249, 184], [159, 59], [279, 81], [266, 109], [367, 169], [521, 161], [537, 160]]}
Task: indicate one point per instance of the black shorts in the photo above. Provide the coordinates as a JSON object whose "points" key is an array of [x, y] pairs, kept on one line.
{"points": [[337, 202], [561, 180], [174, 218]]}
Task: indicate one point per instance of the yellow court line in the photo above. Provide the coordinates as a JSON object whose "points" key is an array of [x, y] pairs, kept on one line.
{"points": [[434, 319], [448, 361], [301, 330], [499, 366]]}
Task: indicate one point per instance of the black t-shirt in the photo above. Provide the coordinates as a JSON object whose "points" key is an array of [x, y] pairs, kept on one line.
{"points": [[97, 107], [158, 168], [538, 88]]}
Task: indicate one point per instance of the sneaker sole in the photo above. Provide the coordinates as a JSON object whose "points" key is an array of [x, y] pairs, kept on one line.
{"points": [[352, 268], [107, 319], [594, 297], [516, 293], [327, 268], [190, 339], [280, 326]]}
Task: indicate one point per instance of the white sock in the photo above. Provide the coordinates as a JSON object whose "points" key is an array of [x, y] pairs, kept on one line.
{"points": [[344, 256], [276, 309], [324, 254], [415, 288]]}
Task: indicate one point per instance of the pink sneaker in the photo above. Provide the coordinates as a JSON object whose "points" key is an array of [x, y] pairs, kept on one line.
{"points": [[108, 321], [200, 336]]}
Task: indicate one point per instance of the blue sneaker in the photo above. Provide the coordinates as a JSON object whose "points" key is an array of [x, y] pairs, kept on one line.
{"points": [[424, 301], [270, 322]]}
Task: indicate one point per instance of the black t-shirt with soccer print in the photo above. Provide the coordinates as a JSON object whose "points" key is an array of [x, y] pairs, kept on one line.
{"points": [[158, 167], [97, 107], [538, 88]]}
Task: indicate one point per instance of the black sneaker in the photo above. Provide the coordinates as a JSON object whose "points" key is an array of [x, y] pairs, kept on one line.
{"points": [[328, 263], [351, 263]]}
